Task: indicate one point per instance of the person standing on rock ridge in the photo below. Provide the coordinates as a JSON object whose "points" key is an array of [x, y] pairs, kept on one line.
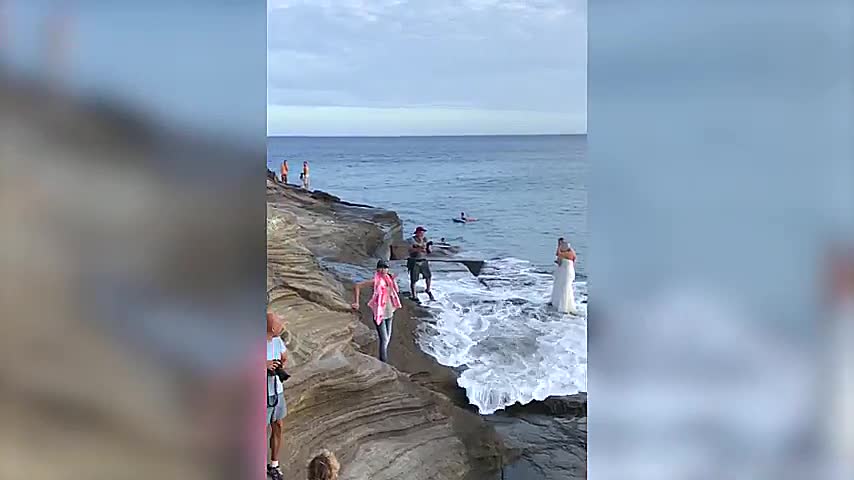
{"points": [[276, 407], [284, 171], [306, 183], [384, 301], [417, 265]]}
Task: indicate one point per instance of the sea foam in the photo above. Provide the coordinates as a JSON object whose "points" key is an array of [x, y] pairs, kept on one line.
{"points": [[499, 330]]}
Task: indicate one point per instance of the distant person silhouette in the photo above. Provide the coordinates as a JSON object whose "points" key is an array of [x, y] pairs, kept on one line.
{"points": [[304, 176], [284, 171]]}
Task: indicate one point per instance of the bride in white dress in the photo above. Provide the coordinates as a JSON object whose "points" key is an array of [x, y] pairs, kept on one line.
{"points": [[563, 298]]}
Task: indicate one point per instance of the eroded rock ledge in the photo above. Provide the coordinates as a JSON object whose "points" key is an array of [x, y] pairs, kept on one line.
{"points": [[382, 423]]}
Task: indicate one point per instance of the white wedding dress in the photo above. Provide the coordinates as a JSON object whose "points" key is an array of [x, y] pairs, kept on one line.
{"points": [[563, 299]]}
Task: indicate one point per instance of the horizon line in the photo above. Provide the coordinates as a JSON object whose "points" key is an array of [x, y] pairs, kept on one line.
{"points": [[437, 135]]}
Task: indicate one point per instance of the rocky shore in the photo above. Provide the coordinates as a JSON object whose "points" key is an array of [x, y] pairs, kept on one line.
{"points": [[408, 419]]}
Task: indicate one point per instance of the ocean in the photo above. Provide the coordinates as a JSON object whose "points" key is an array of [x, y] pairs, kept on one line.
{"points": [[525, 191]]}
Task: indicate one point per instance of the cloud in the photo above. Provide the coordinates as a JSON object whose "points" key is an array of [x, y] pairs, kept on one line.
{"points": [[486, 55]]}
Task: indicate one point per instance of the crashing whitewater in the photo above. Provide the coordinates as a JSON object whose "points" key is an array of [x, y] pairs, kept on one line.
{"points": [[500, 332]]}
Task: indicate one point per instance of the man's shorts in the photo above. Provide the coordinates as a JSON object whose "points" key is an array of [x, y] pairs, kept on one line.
{"points": [[279, 408], [418, 268]]}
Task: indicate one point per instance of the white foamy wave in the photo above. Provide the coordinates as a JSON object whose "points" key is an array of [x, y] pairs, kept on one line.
{"points": [[499, 329]]}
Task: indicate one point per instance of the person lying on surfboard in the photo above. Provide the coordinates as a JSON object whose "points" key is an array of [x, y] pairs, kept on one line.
{"points": [[466, 219]]}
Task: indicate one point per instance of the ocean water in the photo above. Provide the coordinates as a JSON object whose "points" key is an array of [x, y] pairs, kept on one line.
{"points": [[525, 191]]}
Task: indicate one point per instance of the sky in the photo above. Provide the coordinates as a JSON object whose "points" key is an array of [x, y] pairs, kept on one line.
{"points": [[203, 68], [426, 67]]}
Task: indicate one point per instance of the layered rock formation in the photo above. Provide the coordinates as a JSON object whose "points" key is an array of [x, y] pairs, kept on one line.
{"points": [[82, 395], [382, 423]]}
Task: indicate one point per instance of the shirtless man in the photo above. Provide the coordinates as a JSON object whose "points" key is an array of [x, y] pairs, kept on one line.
{"points": [[306, 183], [284, 171]]}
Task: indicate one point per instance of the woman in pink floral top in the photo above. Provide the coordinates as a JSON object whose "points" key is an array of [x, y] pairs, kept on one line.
{"points": [[384, 302]]}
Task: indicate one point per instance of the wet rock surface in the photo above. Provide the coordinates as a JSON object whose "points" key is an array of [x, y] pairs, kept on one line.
{"points": [[549, 438], [548, 447]]}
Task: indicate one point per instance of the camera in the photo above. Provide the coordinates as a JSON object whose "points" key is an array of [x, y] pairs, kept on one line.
{"points": [[279, 371], [282, 374]]}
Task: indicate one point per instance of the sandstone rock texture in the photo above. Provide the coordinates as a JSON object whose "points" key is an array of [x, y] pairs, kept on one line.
{"points": [[382, 423], [82, 395]]}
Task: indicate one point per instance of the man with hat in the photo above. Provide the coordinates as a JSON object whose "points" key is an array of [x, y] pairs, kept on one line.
{"points": [[417, 264]]}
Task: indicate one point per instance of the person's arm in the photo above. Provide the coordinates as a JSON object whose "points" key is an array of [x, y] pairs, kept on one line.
{"points": [[284, 357], [415, 247], [356, 292], [272, 364]]}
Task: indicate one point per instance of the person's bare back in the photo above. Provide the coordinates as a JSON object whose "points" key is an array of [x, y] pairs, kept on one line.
{"points": [[562, 246]]}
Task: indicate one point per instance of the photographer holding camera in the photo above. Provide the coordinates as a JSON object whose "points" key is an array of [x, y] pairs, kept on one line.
{"points": [[417, 265], [276, 406]]}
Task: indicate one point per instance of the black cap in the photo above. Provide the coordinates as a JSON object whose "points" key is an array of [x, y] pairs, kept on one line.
{"points": [[382, 264]]}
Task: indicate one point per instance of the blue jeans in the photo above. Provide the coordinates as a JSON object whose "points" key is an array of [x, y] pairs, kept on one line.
{"points": [[384, 338]]}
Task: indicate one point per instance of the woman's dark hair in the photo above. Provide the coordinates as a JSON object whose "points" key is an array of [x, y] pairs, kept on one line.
{"points": [[324, 466]]}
